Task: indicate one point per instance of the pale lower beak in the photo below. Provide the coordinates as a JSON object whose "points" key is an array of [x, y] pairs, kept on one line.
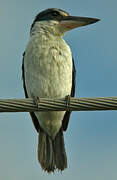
{"points": [[71, 22]]}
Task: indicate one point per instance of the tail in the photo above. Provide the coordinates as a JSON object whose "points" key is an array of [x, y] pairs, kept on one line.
{"points": [[51, 153]]}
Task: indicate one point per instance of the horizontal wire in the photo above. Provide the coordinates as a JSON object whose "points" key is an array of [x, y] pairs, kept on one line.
{"points": [[58, 104]]}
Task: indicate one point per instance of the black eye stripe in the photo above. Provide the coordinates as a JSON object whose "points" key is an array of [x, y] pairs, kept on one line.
{"points": [[55, 13]]}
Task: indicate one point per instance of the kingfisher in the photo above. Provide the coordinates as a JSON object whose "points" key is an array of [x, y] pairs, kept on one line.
{"points": [[48, 71]]}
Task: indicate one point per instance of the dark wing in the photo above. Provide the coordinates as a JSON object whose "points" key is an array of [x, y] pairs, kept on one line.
{"points": [[34, 119], [68, 113]]}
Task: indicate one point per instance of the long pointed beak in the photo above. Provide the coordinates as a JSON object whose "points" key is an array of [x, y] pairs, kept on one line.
{"points": [[71, 22]]}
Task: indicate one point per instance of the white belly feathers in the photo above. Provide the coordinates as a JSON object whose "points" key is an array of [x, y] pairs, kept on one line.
{"points": [[48, 73]]}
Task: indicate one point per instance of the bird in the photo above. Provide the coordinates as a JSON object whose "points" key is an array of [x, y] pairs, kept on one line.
{"points": [[48, 71]]}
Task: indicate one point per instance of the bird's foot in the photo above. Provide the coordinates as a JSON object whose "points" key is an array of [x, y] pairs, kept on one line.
{"points": [[37, 100], [67, 98]]}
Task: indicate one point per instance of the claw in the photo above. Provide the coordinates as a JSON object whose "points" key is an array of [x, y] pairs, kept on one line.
{"points": [[37, 101], [67, 98]]}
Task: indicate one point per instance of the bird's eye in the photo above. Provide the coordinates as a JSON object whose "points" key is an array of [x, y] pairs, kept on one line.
{"points": [[55, 14]]}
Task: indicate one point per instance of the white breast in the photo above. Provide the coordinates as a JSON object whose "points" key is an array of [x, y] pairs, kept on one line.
{"points": [[48, 73]]}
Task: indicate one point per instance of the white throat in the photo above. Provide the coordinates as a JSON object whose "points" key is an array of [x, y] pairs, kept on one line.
{"points": [[49, 28]]}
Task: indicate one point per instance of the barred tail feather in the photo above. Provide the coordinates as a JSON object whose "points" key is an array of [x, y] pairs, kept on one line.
{"points": [[51, 153]]}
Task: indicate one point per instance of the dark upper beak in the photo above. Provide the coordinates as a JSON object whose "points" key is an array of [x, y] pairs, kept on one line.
{"points": [[71, 22]]}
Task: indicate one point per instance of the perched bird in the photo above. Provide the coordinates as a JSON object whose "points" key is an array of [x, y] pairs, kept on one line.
{"points": [[48, 71]]}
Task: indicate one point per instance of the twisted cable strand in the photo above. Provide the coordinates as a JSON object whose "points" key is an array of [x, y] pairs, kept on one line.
{"points": [[46, 104]]}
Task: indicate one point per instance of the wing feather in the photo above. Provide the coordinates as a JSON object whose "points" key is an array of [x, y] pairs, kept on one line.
{"points": [[68, 113], [34, 118]]}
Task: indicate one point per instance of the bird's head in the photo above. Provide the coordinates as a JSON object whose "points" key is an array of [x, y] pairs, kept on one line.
{"points": [[58, 22]]}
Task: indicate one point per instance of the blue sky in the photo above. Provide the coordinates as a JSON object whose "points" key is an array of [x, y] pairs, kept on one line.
{"points": [[91, 138]]}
